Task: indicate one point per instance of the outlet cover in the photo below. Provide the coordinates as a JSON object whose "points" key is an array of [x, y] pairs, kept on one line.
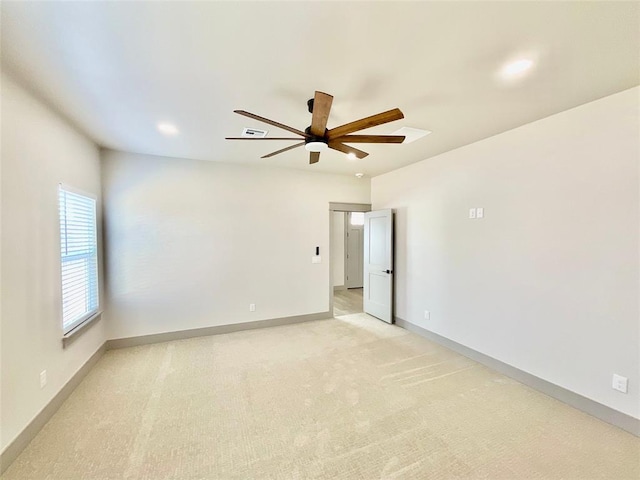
{"points": [[43, 378], [472, 213], [427, 315], [252, 307], [620, 383], [479, 212]]}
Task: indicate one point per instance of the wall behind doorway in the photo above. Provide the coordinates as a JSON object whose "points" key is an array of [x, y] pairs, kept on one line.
{"points": [[354, 241], [337, 249]]}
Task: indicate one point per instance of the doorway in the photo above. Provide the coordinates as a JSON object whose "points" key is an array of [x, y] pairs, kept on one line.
{"points": [[347, 258], [354, 248]]}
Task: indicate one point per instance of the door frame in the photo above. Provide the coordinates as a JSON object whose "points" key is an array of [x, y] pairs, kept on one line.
{"points": [[339, 207]]}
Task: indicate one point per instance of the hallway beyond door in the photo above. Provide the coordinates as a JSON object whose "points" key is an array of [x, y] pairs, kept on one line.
{"points": [[346, 302]]}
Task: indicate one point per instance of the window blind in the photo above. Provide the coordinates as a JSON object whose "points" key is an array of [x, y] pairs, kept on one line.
{"points": [[79, 258]]}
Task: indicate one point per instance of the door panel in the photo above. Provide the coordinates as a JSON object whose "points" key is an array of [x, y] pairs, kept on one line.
{"points": [[378, 264], [378, 252]]}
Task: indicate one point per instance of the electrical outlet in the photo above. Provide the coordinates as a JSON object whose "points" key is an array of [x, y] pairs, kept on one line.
{"points": [[252, 307], [479, 212], [427, 315], [472, 213], [620, 383], [43, 378]]}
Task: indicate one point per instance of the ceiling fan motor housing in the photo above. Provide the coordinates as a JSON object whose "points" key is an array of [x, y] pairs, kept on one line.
{"points": [[313, 138]]}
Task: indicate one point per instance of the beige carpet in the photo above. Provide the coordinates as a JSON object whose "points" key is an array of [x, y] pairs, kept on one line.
{"points": [[344, 398]]}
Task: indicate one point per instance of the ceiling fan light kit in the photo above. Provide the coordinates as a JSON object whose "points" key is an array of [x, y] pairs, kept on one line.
{"points": [[315, 146], [317, 138]]}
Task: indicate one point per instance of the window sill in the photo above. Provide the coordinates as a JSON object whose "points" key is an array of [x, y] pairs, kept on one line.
{"points": [[70, 336]]}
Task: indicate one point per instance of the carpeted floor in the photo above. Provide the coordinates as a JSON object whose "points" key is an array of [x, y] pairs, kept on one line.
{"points": [[349, 398]]}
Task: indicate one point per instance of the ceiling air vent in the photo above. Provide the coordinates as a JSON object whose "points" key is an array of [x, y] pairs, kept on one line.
{"points": [[254, 133], [411, 134]]}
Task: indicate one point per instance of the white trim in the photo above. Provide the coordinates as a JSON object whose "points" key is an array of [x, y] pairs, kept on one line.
{"points": [[22, 439], [68, 329], [78, 191], [596, 409], [71, 333], [339, 207]]}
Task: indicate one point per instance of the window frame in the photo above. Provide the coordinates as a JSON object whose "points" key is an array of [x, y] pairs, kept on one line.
{"points": [[90, 314]]}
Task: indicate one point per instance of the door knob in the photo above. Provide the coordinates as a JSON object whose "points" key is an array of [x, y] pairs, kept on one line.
{"points": [[388, 271]]}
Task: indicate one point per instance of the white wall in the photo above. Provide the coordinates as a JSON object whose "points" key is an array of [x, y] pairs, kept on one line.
{"points": [[337, 248], [39, 150], [548, 280], [192, 243]]}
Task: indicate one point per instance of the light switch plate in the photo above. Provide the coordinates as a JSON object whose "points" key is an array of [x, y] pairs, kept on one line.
{"points": [[472, 213], [316, 259], [479, 212]]}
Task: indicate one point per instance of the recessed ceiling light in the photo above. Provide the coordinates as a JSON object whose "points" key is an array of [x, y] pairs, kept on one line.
{"points": [[167, 129], [516, 68], [411, 134], [351, 156]]}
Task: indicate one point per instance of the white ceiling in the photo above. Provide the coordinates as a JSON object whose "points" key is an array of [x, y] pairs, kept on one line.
{"points": [[115, 69]]}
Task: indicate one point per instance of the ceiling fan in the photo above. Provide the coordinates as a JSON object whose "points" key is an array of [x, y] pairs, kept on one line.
{"points": [[317, 138]]}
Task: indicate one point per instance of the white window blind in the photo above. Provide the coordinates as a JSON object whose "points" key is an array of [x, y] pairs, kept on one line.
{"points": [[79, 255]]}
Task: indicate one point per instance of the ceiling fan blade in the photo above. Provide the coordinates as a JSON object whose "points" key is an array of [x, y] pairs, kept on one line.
{"points": [[271, 122], [341, 147], [314, 157], [368, 122], [370, 139], [261, 138], [321, 108], [283, 150]]}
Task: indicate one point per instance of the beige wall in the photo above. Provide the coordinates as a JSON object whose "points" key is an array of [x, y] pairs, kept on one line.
{"points": [[39, 150], [548, 280], [192, 243]]}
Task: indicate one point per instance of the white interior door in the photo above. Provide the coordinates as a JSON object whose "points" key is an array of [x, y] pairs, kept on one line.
{"points": [[378, 264], [354, 240]]}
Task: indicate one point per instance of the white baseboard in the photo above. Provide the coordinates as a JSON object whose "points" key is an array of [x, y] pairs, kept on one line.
{"points": [[11, 452], [217, 330], [593, 408]]}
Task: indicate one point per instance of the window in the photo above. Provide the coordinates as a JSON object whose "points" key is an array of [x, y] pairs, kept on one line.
{"points": [[357, 218], [79, 257]]}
